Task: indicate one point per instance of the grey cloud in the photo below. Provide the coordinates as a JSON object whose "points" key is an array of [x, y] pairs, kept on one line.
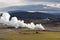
{"points": [[56, 1], [2, 4]]}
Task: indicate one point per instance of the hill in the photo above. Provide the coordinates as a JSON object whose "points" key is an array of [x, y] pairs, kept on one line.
{"points": [[31, 15]]}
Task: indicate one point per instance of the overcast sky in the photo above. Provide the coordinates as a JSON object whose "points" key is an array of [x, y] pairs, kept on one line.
{"points": [[5, 3]]}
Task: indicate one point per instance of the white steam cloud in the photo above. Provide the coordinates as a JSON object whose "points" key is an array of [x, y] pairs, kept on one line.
{"points": [[14, 22]]}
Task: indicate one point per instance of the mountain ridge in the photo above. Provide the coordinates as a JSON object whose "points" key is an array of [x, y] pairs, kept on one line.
{"points": [[31, 15]]}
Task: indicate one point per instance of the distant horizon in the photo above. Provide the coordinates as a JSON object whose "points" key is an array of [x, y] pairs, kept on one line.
{"points": [[52, 3]]}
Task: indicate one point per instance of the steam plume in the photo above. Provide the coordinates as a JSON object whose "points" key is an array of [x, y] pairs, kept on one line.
{"points": [[14, 22]]}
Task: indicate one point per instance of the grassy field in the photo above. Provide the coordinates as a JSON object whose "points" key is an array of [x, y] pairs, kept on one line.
{"points": [[31, 36]]}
